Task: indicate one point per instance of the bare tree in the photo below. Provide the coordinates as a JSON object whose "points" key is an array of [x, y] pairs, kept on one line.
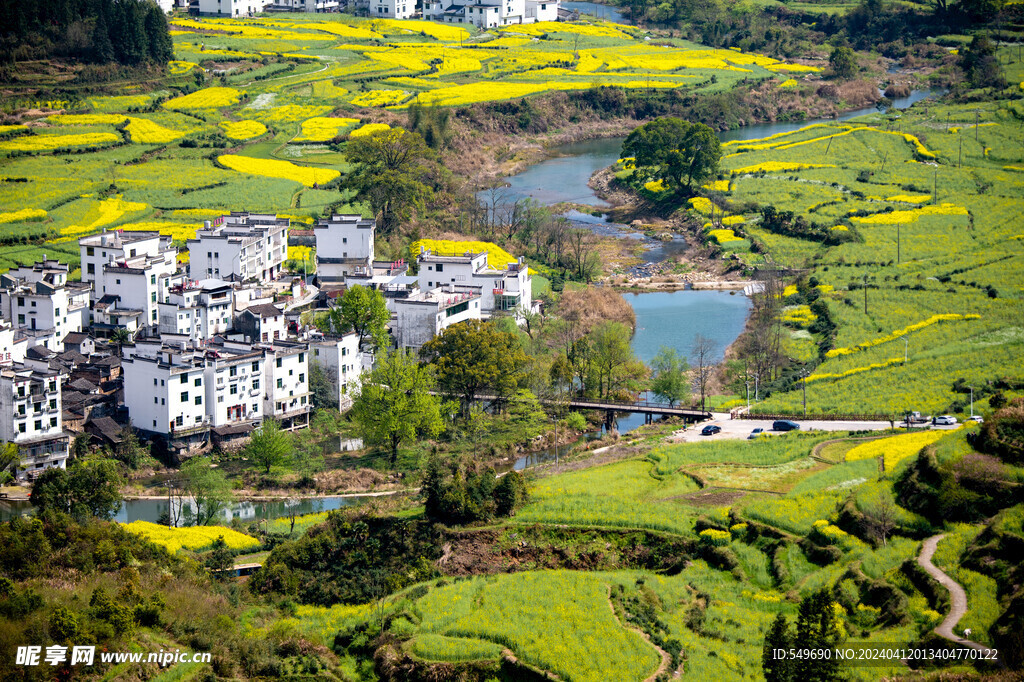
{"points": [[584, 258], [881, 518], [702, 353]]}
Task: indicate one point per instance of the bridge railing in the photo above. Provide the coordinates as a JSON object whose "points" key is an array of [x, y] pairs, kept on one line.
{"points": [[820, 417]]}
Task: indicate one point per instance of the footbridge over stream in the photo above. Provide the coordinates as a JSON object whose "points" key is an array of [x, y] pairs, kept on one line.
{"points": [[645, 407]]}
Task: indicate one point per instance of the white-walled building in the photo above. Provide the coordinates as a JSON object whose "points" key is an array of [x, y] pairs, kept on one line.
{"points": [[262, 323], [341, 362], [13, 344], [132, 289], [96, 250], [344, 247], [234, 384], [490, 13], [421, 317], [286, 397], [165, 391], [503, 292], [240, 246], [197, 310], [231, 8], [392, 9], [30, 417], [40, 298]]}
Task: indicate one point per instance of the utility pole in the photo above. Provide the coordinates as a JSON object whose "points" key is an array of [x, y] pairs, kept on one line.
{"points": [[935, 185], [804, 382], [865, 293], [897, 242], [747, 382], [976, 119], [960, 150], [972, 400]]}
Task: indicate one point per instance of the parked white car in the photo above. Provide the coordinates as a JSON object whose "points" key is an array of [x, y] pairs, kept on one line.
{"points": [[944, 420]]}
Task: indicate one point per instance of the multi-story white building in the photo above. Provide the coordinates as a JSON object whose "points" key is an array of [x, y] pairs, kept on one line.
{"points": [[13, 344], [96, 250], [234, 384], [422, 316], [40, 298], [490, 13], [133, 285], [197, 310], [231, 8], [503, 292], [341, 362], [30, 417], [241, 246], [262, 323], [392, 9], [287, 383], [344, 247], [165, 390]]}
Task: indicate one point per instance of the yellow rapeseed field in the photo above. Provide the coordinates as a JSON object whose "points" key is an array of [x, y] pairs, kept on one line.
{"points": [[45, 143], [242, 130], [144, 131], [322, 129], [896, 448], [86, 119], [22, 215], [279, 169], [191, 538], [207, 98], [379, 98], [369, 129]]}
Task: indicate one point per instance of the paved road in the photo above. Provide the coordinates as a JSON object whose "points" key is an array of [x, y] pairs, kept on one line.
{"points": [[741, 428], [957, 596]]}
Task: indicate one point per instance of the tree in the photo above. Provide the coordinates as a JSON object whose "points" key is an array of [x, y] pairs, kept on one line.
{"points": [[674, 149], [321, 392], [843, 62], [702, 354], [817, 627], [881, 517], [510, 494], [980, 63], [220, 561], [129, 451], [269, 446], [474, 357], [777, 668], [121, 336], [365, 312], [207, 486], [85, 489], [613, 359], [391, 170], [671, 381], [395, 402], [10, 454]]}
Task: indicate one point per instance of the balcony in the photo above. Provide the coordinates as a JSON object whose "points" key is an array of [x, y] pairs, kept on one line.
{"points": [[189, 430]]}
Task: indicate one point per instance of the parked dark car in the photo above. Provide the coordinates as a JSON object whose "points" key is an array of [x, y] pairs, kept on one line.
{"points": [[710, 430], [785, 425]]}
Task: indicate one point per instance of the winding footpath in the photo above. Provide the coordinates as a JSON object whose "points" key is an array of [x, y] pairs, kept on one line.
{"points": [[957, 596]]}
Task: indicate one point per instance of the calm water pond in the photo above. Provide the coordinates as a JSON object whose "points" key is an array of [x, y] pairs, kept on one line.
{"points": [[606, 12]]}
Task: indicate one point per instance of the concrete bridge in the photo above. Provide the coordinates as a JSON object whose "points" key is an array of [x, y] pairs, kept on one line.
{"points": [[645, 407]]}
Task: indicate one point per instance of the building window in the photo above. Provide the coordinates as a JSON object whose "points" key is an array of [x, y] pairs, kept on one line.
{"points": [[278, 363], [302, 357], [199, 400], [179, 420], [91, 268], [255, 366], [21, 427], [256, 385], [39, 425], [199, 381], [440, 267], [233, 389], [184, 397], [89, 251], [302, 378], [154, 381], [53, 404], [280, 383], [53, 421], [232, 371]]}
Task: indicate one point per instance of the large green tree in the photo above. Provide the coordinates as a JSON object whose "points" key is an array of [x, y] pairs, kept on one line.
{"points": [[208, 487], [674, 150], [270, 446], [364, 311], [616, 367], [475, 357], [396, 404], [843, 62], [671, 376], [83, 490], [392, 171]]}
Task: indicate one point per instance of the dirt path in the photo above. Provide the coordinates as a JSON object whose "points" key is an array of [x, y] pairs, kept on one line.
{"points": [[666, 660], [957, 596]]}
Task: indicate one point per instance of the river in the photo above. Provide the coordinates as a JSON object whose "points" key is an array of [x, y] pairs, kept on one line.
{"points": [[663, 319], [152, 509]]}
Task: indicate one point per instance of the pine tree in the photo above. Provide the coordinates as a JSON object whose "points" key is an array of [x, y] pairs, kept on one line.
{"points": [[777, 669]]}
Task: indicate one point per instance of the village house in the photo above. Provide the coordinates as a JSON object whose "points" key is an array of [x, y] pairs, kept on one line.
{"points": [[503, 292], [31, 418], [39, 299], [240, 246], [342, 364], [421, 317]]}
